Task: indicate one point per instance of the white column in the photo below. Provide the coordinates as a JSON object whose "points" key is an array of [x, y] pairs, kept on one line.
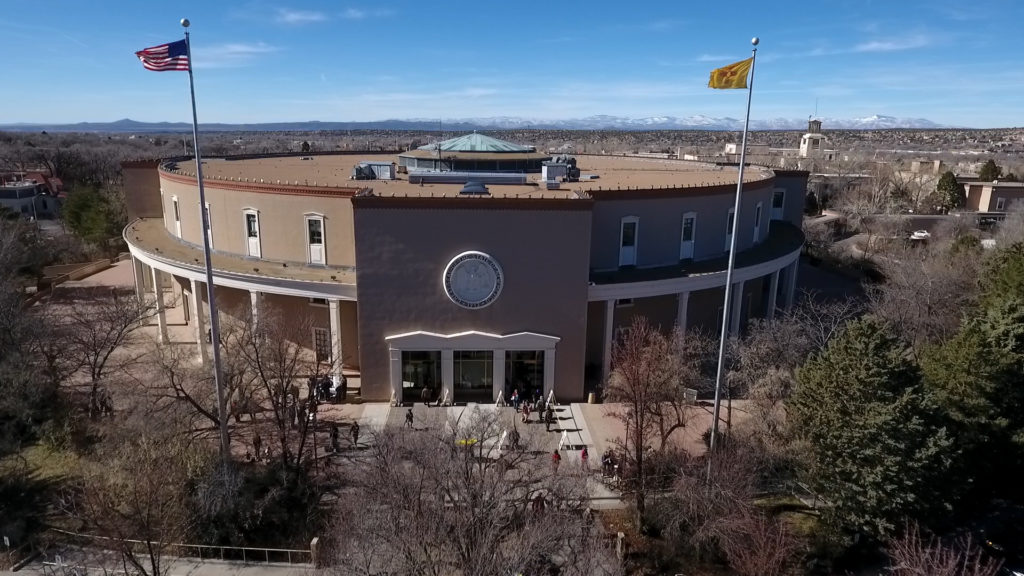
{"points": [[396, 373], [609, 332], [334, 306], [448, 373], [254, 304], [140, 278], [498, 376], [791, 284], [161, 316], [736, 309], [200, 323], [773, 294], [549, 372], [683, 305]]}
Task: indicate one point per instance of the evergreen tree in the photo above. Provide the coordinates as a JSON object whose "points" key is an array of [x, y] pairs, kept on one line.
{"points": [[990, 171], [1003, 275], [950, 193], [976, 379], [90, 214], [879, 450]]}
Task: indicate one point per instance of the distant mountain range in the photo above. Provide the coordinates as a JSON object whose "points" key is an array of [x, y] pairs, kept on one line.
{"points": [[698, 122]]}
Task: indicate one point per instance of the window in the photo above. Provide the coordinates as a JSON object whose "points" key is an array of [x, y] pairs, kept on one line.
{"points": [[252, 233], [778, 203], [686, 240], [624, 302], [628, 233], [1000, 204], [316, 251], [177, 216], [316, 231], [757, 222], [318, 302], [728, 229], [322, 344], [209, 225]]}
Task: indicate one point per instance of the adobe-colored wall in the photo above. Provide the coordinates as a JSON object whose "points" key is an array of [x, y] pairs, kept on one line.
{"points": [[141, 189], [795, 184], [402, 253], [282, 220], [661, 224]]}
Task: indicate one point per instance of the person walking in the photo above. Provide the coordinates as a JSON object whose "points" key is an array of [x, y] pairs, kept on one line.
{"points": [[585, 459], [355, 434], [556, 459], [526, 413], [408, 419], [549, 417], [257, 443], [335, 434], [515, 399], [425, 396]]}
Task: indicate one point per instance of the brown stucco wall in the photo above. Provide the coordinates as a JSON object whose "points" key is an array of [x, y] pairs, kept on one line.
{"points": [[281, 216], [402, 253], [661, 222], [141, 190]]}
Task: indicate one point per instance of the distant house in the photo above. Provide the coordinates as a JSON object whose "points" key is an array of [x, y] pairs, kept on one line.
{"points": [[992, 196]]}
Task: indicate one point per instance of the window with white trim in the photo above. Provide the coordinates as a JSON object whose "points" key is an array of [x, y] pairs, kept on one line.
{"points": [[629, 231], [623, 302], [316, 251], [322, 344], [1000, 204]]}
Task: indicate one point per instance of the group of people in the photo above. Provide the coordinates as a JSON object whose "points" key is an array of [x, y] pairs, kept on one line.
{"points": [[336, 436], [545, 411]]}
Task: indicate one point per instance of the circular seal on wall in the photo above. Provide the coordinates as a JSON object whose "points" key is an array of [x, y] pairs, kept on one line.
{"points": [[473, 280]]}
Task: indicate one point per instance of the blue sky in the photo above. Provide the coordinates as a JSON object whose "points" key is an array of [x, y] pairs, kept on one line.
{"points": [[950, 61]]}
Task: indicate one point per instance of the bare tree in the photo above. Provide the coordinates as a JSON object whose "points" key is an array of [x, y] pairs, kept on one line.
{"points": [[648, 382], [913, 554], [134, 496], [759, 545], [447, 499], [99, 323], [926, 291], [272, 367]]}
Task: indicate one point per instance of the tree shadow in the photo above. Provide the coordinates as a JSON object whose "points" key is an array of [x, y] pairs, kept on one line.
{"points": [[26, 499]]}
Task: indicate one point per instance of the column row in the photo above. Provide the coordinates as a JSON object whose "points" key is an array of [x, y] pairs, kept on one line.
{"points": [[787, 275]]}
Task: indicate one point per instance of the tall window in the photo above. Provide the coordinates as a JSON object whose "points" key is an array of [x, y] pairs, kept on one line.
{"points": [[728, 230], [322, 344], [628, 240], [317, 253], [252, 233]]}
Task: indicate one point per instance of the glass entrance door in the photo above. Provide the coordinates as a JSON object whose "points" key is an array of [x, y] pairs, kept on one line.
{"points": [[524, 371], [421, 371], [473, 371]]}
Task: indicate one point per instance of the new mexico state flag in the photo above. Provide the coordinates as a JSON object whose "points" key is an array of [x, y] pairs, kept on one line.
{"points": [[731, 76]]}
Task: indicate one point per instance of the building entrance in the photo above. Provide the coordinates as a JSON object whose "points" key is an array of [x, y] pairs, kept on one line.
{"points": [[524, 371], [473, 371], [421, 370]]}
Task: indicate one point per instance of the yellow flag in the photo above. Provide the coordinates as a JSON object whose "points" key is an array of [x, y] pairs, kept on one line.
{"points": [[731, 76]]}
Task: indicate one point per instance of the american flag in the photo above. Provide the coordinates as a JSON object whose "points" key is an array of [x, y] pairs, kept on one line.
{"points": [[173, 56]]}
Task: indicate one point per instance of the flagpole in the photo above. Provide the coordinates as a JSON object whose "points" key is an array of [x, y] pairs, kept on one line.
{"points": [[218, 376], [730, 268]]}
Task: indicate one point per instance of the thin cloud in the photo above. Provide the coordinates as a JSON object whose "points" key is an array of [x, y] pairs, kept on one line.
{"points": [[298, 17], [231, 55], [359, 13], [894, 45], [713, 58]]}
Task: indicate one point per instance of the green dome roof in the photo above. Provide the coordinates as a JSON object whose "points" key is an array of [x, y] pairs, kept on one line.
{"points": [[477, 143]]}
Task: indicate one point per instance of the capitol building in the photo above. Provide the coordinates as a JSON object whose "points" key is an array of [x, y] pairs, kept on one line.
{"points": [[469, 267]]}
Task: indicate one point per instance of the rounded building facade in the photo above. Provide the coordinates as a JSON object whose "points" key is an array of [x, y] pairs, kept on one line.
{"points": [[466, 294]]}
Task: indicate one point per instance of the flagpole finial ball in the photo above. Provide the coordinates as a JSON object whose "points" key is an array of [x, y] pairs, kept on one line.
{"points": [[185, 22], [755, 40]]}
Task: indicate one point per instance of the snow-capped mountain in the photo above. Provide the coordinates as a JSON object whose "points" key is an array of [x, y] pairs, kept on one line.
{"points": [[696, 122]]}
